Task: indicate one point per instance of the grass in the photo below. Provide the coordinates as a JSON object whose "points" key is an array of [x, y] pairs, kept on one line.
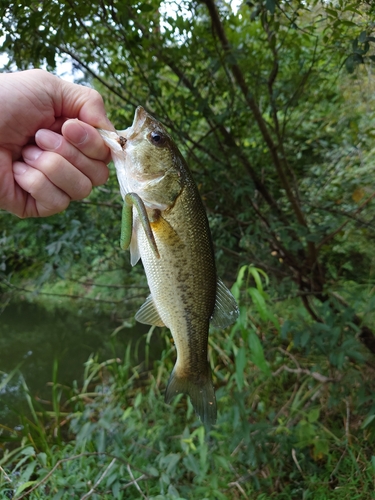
{"points": [[294, 422]]}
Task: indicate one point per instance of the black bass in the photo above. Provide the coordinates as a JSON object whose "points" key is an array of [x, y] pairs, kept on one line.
{"points": [[165, 224]]}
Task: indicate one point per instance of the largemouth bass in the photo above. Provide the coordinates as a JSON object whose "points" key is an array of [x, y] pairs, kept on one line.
{"points": [[165, 224]]}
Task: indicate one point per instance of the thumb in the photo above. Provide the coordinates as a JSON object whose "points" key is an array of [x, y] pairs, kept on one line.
{"points": [[77, 101]]}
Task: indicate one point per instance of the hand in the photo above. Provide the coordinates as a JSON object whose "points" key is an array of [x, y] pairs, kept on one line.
{"points": [[47, 159]]}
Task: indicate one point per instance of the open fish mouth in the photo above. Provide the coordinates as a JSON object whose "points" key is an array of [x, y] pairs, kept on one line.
{"points": [[140, 118]]}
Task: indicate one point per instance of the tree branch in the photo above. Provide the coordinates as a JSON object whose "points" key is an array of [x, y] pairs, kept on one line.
{"points": [[240, 79], [340, 228]]}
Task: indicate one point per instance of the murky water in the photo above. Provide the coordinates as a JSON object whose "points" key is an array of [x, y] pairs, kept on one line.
{"points": [[32, 337]]}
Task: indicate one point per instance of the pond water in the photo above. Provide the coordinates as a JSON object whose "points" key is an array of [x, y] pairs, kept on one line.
{"points": [[34, 337]]}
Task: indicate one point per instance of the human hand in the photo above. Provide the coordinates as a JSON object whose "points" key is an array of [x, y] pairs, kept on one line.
{"points": [[47, 159]]}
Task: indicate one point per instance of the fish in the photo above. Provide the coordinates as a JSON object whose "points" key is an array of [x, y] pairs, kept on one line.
{"points": [[164, 223]]}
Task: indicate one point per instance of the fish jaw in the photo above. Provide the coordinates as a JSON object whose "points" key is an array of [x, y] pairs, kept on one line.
{"points": [[112, 138], [139, 121], [142, 123], [113, 141]]}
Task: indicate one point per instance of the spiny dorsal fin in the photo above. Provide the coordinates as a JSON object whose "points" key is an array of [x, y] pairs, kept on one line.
{"points": [[226, 309], [148, 313]]}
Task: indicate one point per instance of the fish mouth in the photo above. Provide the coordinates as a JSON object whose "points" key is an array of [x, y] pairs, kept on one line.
{"points": [[140, 118]]}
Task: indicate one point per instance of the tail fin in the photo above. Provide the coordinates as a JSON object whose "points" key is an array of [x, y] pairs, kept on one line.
{"points": [[202, 395]]}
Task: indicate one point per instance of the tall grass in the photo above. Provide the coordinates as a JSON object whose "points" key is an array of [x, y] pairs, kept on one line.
{"points": [[295, 419]]}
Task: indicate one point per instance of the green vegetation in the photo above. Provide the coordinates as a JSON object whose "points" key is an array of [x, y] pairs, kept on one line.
{"points": [[272, 105], [290, 424]]}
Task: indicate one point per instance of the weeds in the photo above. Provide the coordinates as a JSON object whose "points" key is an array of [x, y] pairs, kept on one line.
{"points": [[294, 421]]}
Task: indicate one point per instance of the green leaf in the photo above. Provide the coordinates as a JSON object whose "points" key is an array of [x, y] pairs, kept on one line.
{"points": [[271, 5], [332, 12], [173, 459], [255, 272], [24, 486], [257, 353], [116, 487], [362, 37], [313, 415], [238, 284], [240, 363], [352, 61], [259, 303], [368, 420], [145, 7]]}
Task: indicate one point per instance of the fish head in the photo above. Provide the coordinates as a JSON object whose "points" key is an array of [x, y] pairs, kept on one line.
{"points": [[153, 161]]}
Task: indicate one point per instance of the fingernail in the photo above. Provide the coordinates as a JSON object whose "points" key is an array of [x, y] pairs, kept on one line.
{"points": [[75, 133], [19, 168], [31, 153], [47, 139]]}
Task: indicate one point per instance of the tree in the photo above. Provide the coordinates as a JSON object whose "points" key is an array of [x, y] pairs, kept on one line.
{"points": [[257, 100]]}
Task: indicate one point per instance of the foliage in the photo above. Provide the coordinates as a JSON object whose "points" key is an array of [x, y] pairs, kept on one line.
{"points": [[272, 105], [289, 425], [258, 100]]}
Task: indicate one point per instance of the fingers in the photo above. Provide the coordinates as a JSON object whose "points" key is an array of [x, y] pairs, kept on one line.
{"points": [[69, 156], [58, 171], [82, 102], [82, 146], [65, 98], [74, 170], [86, 139], [61, 168], [42, 198]]}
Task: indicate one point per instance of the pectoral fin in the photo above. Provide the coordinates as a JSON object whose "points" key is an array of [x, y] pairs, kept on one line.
{"points": [[226, 309], [148, 313], [134, 249], [130, 200]]}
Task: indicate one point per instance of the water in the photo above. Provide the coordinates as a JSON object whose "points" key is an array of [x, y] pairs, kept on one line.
{"points": [[33, 337]]}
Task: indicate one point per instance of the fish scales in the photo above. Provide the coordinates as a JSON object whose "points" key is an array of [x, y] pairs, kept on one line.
{"points": [[183, 281]]}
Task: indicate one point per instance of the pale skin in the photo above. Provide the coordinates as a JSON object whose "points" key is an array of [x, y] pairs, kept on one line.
{"points": [[50, 152]]}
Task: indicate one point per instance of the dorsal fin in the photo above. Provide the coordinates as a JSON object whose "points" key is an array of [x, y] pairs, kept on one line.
{"points": [[226, 309]]}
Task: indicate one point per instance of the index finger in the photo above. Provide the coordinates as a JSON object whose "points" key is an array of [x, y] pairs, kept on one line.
{"points": [[85, 138]]}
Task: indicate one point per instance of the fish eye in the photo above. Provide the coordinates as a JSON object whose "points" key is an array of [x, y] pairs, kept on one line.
{"points": [[157, 138]]}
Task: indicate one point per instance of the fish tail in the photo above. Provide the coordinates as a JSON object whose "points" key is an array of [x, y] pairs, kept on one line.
{"points": [[202, 394]]}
